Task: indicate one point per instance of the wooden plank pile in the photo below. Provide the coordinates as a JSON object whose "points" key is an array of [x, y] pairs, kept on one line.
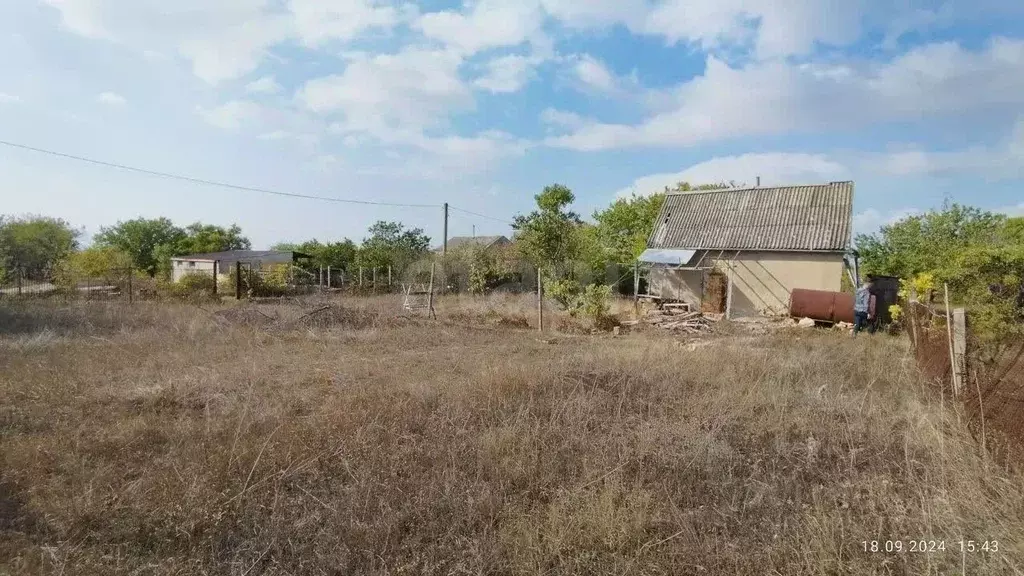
{"points": [[679, 318]]}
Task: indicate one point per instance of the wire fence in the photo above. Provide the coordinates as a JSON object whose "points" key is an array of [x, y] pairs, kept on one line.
{"points": [[990, 386]]}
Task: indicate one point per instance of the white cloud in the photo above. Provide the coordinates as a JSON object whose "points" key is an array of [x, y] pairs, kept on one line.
{"points": [[222, 40], [9, 98], [597, 13], [486, 24], [231, 115], [275, 135], [779, 97], [871, 220], [320, 21], [264, 85], [506, 74], [111, 99], [773, 168], [562, 118], [774, 28], [390, 93], [994, 162], [593, 73], [1017, 210]]}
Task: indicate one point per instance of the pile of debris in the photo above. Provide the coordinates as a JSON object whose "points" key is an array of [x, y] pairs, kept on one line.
{"points": [[678, 318]]}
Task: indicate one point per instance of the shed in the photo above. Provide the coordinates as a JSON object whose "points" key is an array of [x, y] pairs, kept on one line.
{"points": [[222, 262], [744, 250]]}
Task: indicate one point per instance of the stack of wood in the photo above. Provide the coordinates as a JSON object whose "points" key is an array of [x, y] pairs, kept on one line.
{"points": [[678, 317]]}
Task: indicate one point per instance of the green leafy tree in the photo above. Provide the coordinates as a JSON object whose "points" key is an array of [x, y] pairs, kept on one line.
{"points": [[390, 244], [547, 236], [104, 263], [337, 255], [926, 242], [141, 238], [35, 244], [201, 238]]}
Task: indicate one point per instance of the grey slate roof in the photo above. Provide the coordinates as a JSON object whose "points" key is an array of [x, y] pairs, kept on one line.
{"points": [[245, 256], [482, 241], [785, 218]]}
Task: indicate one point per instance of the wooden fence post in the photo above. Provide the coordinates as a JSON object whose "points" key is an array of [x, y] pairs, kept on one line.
{"points": [[430, 294], [389, 276], [959, 349], [374, 279], [540, 303], [130, 285], [238, 280], [21, 274], [328, 277], [216, 267], [360, 276], [636, 289]]}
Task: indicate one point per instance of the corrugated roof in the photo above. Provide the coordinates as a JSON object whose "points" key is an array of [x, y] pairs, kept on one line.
{"points": [[785, 218], [242, 255]]}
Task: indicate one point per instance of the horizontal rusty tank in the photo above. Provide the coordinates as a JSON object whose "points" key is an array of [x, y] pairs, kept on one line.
{"points": [[823, 305]]}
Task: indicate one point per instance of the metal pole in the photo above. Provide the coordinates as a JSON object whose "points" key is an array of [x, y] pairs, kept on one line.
{"points": [[360, 276], [389, 275], [444, 246], [328, 277]]}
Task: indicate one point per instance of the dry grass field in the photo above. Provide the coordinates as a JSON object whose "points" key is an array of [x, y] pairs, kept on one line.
{"points": [[169, 439]]}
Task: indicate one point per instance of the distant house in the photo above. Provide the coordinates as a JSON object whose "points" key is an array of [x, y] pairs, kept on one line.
{"points": [[223, 262], [763, 242], [485, 242]]}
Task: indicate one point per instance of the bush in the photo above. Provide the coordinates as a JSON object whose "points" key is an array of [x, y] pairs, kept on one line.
{"points": [[565, 292], [193, 287]]}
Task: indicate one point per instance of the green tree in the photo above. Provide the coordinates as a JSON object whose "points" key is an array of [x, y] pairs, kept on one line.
{"points": [[35, 244], [141, 238], [105, 263], [201, 238], [624, 227], [338, 255], [547, 236], [390, 244], [927, 242]]}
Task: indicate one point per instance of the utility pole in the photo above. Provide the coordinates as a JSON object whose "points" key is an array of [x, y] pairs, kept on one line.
{"points": [[444, 246]]}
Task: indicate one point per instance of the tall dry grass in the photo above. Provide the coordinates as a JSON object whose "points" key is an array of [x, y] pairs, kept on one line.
{"points": [[163, 440]]}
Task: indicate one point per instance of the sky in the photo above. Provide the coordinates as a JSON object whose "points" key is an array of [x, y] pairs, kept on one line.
{"points": [[483, 103]]}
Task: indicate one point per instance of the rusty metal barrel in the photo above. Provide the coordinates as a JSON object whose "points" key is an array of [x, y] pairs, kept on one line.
{"points": [[821, 305]]}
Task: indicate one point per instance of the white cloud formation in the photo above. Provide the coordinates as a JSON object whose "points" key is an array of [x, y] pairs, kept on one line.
{"points": [[485, 24], [593, 73], [264, 85], [870, 220], [231, 115], [778, 168], [111, 99], [994, 162], [561, 118], [387, 94], [779, 97], [320, 21], [506, 74], [9, 98]]}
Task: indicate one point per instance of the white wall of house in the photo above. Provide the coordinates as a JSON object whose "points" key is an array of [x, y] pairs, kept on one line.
{"points": [[762, 281], [182, 268]]}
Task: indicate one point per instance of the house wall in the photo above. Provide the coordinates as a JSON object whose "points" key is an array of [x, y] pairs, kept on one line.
{"points": [[182, 268], [762, 281]]}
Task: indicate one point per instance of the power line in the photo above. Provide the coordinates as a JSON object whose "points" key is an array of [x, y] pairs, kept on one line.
{"points": [[480, 215], [211, 182]]}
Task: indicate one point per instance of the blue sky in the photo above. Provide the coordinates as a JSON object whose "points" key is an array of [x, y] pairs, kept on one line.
{"points": [[483, 103]]}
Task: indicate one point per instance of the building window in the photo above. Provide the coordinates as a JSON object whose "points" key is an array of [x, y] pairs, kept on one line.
{"points": [[191, 264]]}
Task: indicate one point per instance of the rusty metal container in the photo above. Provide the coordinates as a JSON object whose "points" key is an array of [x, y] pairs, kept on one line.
{"points": [[822, 305]]}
